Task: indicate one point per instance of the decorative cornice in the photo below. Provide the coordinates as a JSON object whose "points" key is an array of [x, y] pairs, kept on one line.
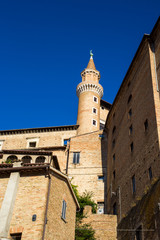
{"points": [[87, 70], [89, 87]]}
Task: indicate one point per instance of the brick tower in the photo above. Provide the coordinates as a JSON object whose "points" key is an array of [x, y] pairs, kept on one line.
{"points": [[89, 92]]}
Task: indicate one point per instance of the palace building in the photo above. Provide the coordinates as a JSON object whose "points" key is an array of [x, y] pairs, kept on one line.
{"points": [[113, 151]]}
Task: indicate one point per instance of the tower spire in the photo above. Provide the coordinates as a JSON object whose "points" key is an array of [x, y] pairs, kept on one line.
{"points": [[91, 64]]}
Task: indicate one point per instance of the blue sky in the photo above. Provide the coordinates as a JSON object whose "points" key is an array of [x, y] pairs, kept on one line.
{"points": [[44, 46]]}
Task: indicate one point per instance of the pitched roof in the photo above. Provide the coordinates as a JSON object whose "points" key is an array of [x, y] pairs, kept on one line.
{"points": [[91, 64]]}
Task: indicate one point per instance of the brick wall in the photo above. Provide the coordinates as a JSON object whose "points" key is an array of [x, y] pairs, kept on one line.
{"points": [[56, 227]]}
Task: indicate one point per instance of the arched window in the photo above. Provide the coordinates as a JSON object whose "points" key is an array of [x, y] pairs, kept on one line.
{"points": [[26, 159], [11, 158], [40, 159]]}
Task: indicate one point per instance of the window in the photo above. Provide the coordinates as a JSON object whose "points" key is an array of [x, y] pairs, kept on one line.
{"points": [[129, 99], [133, 184], [130, 130], [115, 209], [26, 159], [102, 124], [11, 158], [76, 157], [114, 175], [114, 157], [146, 125], [139, 233], [40, 159], [65, 141], [101, 177], [150, 173], [16, 236], [131, 147], [95, 99], [114, 129], [64, 206], [102, 108], [114, 115], [94, 122], [32, 144], [113, 143], [130, 113], [94, 110], [100, 207]]}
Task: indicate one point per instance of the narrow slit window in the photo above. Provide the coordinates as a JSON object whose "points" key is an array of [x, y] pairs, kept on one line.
{"points": [[94, 110], [131, 147], [129, 99], [130, 113], [150, 173], [95, 99], [64, 206], [146, 125], [94, 122], [130, 130], [76, 157]]}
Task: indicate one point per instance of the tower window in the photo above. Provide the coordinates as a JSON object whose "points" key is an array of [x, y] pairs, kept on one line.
{"points": [[133, 184], [94, 122], [76, 157], [114, 157], [113, 143], [146, 125], [94, 110], [95, 99], [114, 129], [102, 108], [139, 233], [150, 173]]}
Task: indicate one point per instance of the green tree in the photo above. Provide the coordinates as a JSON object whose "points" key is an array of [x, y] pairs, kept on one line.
{"points": [[84, 231]]}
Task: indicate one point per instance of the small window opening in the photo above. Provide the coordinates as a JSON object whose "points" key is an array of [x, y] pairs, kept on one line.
{"points": [[115, 209], [64, 206], [139, 233], [100, 207], [16, 236], [114, 157], [130, 97], [114, 174], [94, 110], [131, 147], [102, 108], [114, 115], [113, 143], [150, 173], [146, 125], [94, 122], [95, 99], [32, 144], [114, 129], [130, 113], [101, 177], [130, 130], [76, 157], [133, 184]]}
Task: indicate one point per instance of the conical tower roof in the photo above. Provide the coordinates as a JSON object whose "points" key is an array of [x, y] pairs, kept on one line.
{"points": [[91, 64]]}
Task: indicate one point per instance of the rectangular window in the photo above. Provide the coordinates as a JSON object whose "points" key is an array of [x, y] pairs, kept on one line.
{"points": [[16, 236], [114, 175], [113, 143], [101, 177], [95, 99], [76, 157], [130, 130], [65, 141], [100, 207], [94, 122], [32, 144], [139, 233], [64, 206], [94, 110], [133, 184], [131, 147], [114, 209], [150, 173], [146, 125], [114, 157], [130, 113]]}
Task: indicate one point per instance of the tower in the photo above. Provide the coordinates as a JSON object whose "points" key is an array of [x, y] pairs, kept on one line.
{"points": [[89, 92]]}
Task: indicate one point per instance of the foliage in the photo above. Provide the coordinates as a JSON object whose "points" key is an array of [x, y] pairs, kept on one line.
{"points": [[8, 161], [84, 231]]}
